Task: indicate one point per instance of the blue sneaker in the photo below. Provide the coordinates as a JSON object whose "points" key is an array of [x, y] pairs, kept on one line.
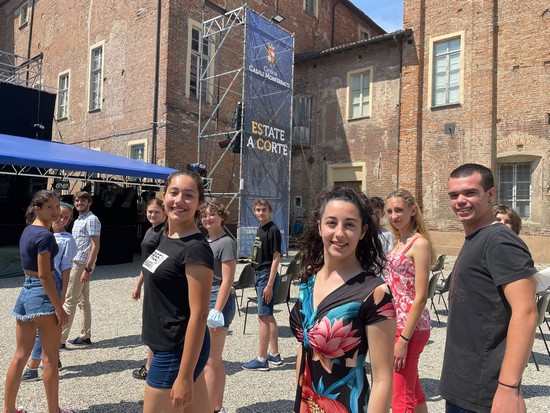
{"points": [[277, 360], [256, 364]]}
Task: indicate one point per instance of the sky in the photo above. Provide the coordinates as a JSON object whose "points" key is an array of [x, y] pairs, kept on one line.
{"points": [[388, 14]]}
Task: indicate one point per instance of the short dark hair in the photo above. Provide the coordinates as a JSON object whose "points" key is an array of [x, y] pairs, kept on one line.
{"points": [[262, 202], [377, 202], [468, 169], [83, 195]]}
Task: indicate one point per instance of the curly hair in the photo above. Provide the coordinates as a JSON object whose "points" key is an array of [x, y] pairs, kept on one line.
{"points": [[215, 207], [369, 250]]}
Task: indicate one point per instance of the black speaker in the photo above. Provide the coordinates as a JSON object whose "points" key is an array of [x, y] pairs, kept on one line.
{"points": [[26, 112]]}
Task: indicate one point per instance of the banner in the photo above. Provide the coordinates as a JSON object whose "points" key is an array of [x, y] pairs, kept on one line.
{"points": [[267, 127]]}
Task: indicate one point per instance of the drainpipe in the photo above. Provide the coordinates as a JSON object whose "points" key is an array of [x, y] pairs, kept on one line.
{"points": [[332, 23], [156, 92], [400, 46], [30, 40]]}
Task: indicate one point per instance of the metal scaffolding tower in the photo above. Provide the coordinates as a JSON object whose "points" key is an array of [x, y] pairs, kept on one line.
{"points": [[244, 129]]}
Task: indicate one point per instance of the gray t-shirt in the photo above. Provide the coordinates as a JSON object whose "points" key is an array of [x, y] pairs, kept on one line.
{"points": [[224, 249], [479, 315]]}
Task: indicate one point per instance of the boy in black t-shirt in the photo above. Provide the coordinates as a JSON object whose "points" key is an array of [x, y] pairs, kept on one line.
{"points": [[266, 256]]}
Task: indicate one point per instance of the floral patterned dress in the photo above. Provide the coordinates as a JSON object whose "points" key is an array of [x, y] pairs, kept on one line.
{"points": [[334, 344]]}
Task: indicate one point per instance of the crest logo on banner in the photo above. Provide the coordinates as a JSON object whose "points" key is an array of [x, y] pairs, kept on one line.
{"points": [[271, 54], [267, 127]]}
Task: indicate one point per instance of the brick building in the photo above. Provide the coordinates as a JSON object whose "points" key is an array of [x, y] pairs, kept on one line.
{"points": [[475, 82], [464, 81]]}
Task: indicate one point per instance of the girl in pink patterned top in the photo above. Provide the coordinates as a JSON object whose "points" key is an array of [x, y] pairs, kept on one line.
{"points": [[407, 273]]}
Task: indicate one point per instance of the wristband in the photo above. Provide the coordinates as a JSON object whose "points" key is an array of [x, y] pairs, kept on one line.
{"points": [[88, 269], [404, 338], [507, 385]]}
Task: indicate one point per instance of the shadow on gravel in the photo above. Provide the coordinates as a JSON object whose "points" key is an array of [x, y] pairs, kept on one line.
{"points": [[276, 406], [535, 390], [98, 368], [115, 342], [233, 367], [431, 389], [542, 360], [120, 407]]}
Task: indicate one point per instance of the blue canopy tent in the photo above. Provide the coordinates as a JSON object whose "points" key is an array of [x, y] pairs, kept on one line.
{"points": [[45, 159], [55, 159]]}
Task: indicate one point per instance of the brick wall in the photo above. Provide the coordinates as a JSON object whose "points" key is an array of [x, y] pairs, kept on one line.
{"points": [[502, 116], [334, 138]]}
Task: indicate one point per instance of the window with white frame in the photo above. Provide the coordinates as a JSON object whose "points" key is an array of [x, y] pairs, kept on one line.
{"points": [[446, 55], [310, 6], [363, 33], [96, 77], [23, 14], [359, 93], [301, 120], [197, 61], [136, 150], [515, 187], [63, 96]]}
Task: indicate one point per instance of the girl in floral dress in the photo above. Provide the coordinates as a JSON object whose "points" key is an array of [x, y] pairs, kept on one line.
{"points": [[343, 311], [407, 273]]}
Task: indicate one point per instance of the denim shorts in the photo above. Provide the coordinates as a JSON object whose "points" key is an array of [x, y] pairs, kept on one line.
{"points": [[261, 281], [32, 301], [165, 365], [229, 309]]}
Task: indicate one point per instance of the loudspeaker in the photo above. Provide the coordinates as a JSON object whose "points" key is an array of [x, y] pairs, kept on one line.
{"points": [[26, 112]]}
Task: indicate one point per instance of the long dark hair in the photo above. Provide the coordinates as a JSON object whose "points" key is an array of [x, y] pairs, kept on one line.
{"points": [[200, 188], [38, 200], [369, 250]]}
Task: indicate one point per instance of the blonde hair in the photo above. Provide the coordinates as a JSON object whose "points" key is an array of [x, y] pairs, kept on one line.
{"points": [[417, 220]]}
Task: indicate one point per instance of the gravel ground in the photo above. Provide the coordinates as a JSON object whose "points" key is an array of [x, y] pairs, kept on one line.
{"points": [[98, 378]]}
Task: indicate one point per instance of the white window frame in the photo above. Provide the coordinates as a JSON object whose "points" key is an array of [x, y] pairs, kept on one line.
{"points": [[515, 198], [62, 108], [191, 54], [314, 7], [23, 14], [95, 104], [431, 70], [366, 73], [138, 142]]}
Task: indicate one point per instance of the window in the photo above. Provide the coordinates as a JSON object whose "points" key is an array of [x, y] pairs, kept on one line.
{"points": [[363, 33], [23, 14], [446, 73], [310, 6], [96, 80], [301, 120], [359, 93], [515, 187], [63, 96], [137, 150], [197, 57]]}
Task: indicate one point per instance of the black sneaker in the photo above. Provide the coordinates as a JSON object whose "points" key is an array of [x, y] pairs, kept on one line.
{"points": [[140, 374], [30, 375], [62, 346], [81, 341]]}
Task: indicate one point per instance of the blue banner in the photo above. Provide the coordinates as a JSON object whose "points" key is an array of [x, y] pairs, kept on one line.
{"points": [[267, 127]]}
